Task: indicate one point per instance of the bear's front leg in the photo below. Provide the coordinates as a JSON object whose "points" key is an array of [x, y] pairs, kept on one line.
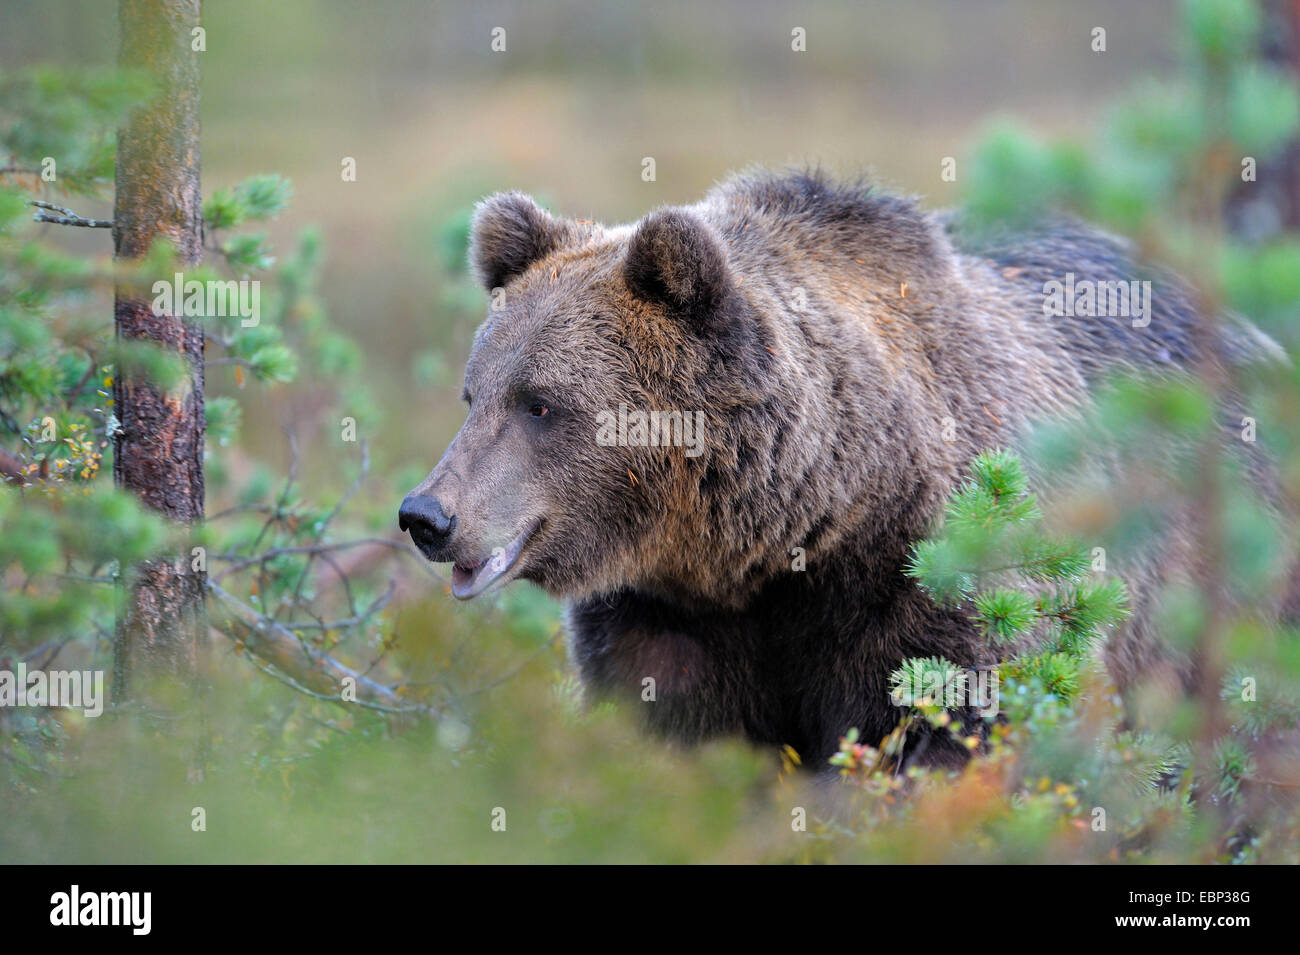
{"points": [[687, 673]]}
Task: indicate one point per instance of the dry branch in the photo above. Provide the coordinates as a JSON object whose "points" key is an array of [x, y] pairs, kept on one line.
{"points": [[318, 673]]}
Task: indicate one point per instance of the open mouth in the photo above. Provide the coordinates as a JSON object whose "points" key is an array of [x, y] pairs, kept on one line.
{"points": [[467, 582]]}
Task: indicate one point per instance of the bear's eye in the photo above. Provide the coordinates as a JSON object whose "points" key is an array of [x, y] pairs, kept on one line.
{"points": [[465, 397], [538, 410]]}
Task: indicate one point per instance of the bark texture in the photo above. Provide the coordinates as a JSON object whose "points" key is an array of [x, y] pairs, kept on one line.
{"points": [[159, 442]]}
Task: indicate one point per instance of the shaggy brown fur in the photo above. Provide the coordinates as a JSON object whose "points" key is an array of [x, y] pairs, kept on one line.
{"points": [[828, 335]]}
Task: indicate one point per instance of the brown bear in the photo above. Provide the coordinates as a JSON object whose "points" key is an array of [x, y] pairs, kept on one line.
{"points": [[715, 434]]}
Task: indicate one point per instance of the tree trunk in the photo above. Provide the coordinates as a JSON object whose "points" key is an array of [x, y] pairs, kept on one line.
{"points": [[158, 446], [1262, 210]]}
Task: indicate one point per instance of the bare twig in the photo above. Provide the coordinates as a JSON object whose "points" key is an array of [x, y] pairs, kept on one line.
{"points": [[289, 480], [378, 604], [58, 645], [240, 509], [67, 216], [228, 360], [361, 476], [241, 563], [317, 674]]}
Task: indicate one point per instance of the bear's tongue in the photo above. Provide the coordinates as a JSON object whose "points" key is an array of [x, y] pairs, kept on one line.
{"points": [[467, 582]]}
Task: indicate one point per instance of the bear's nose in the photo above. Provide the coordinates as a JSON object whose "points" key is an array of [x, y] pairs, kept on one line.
{"points": [[428, 523]]}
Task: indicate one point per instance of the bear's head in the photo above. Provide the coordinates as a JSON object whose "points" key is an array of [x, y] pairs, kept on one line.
{"points": [[598, 393]]}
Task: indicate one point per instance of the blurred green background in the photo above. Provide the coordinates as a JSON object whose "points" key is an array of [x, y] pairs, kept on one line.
{"points": [[435, 120]]}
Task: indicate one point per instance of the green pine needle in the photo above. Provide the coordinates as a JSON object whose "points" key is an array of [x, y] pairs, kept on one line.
{"points": [[1006, 615]]}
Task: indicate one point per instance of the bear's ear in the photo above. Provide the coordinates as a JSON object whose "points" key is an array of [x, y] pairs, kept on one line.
{"points": [[509, 233], [676, 258]]}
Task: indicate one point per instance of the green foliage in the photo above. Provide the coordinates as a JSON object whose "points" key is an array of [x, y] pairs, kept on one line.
{"points": [[925, 682], [1058, 674], [991, 531], [488, 711], [65, 537], [1152, 144], [1185, 783], [1223, 33], [257, 198], [1054, 761], [1006, 615], [70, 117], [991, 537], [222, 414], [60, 542]]}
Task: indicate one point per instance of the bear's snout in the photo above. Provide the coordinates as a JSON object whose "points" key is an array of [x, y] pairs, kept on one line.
{"points": [[429, 525]]}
